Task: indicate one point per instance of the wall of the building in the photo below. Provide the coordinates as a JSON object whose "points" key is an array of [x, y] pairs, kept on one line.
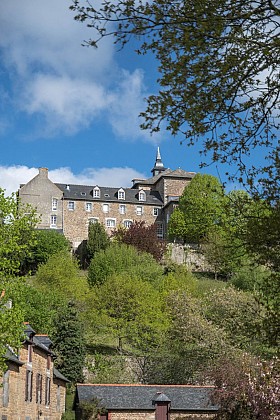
{"points": [[76, 221], [39, 192], [20, 409], [150, 415], [171, 187]]}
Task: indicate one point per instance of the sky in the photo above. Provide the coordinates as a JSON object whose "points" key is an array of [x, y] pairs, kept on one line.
{"points": [[75, 109]]}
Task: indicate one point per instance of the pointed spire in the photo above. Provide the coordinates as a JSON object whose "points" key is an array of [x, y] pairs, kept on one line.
{"points": [[158, 166]]}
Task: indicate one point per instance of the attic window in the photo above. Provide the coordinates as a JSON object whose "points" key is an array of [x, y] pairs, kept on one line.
{"points": [[83, 193], [96, 192], [121, 194], [106, 195], [142, 196]]}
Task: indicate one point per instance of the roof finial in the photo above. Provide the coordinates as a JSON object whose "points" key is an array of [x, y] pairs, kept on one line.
{"points": [[158, 166]]}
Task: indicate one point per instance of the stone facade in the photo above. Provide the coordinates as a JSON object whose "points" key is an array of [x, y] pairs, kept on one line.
{"points": [[70, 208], [31, 387]]}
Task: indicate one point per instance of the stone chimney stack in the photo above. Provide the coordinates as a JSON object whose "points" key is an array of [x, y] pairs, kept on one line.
{"points": [[44, 172]]}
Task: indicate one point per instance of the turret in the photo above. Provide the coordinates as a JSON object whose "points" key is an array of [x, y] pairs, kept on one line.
{"points": [[158, 166]]}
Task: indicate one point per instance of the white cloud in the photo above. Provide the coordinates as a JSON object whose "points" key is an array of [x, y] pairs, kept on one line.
{"points": [[12, 176], [59, 82]]}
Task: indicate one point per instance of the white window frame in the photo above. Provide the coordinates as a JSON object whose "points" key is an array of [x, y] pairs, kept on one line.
{"points": [[159, 230], [156, 211], [93, 220], [54, 204], [105, 206], [127, 223], [142, 195], [88, 207], [139, 210], [53, 221], [122, 208], [96, 192], [108, 221], [121, 194], [71, 205]]}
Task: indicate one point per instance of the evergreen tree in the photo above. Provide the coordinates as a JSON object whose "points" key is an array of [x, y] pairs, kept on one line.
{"points": [[97, 239], [68, 342]]}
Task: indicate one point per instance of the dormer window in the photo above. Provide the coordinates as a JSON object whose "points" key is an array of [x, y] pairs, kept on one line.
{"points": [[142, 195], [121, 194], [96, 192]]}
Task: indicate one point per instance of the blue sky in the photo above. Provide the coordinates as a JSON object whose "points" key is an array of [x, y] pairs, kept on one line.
{"points": [[74, 109]]}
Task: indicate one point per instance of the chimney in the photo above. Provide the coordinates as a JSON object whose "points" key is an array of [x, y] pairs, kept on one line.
{"points": [[162, 404], [44, 172]]}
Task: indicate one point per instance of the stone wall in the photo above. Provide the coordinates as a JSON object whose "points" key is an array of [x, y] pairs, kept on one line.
{"points": [[189, 255], [76, 221]]}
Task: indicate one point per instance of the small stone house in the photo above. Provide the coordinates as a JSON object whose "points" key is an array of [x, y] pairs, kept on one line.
{"points": [[31, 387], [147, 402], [70, 208]]}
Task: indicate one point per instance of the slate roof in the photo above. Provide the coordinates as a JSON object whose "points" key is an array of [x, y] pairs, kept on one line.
{"points": [[168, 173], [141, 397], [108, 194], [12, 357], [58, 375]]}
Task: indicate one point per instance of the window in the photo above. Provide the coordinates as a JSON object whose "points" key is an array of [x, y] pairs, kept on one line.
{"points": [[53, 220], [30, 352], [48, 362], [156, 211], [142, 196], [122, 209], [93, 220], [71, 205], [54, 204], [5, 386], [48, 391], [58, 398], [28, 385], [121, 194], [139, 210], [105, 208], [127, 223], [96, 192], [39, 387], [89, 207], [159, 230], [111, 223]]}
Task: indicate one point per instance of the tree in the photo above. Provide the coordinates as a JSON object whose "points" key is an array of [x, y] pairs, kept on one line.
{"points": [[68, 344], [48, 242], [61, 274], [132, 310], [219, 73], [200, 209], [118, 258], [143, 237], [17, 237], [17, 234], [97, 239]]}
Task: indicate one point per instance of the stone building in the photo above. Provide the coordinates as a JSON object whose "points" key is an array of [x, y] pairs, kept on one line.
{"points": [[31, 387], [147, 402], [70, 208]]}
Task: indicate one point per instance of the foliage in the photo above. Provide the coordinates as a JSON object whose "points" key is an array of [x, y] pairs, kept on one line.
{"points": [[247, 389], [118, 258], [17, 234], [48, 242], [68, 343], [219, 73], [61, 273], [91, 410], [98, 239], [201, 208], [132, 310], [11, 321], [143, 237], [238, 314]]}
